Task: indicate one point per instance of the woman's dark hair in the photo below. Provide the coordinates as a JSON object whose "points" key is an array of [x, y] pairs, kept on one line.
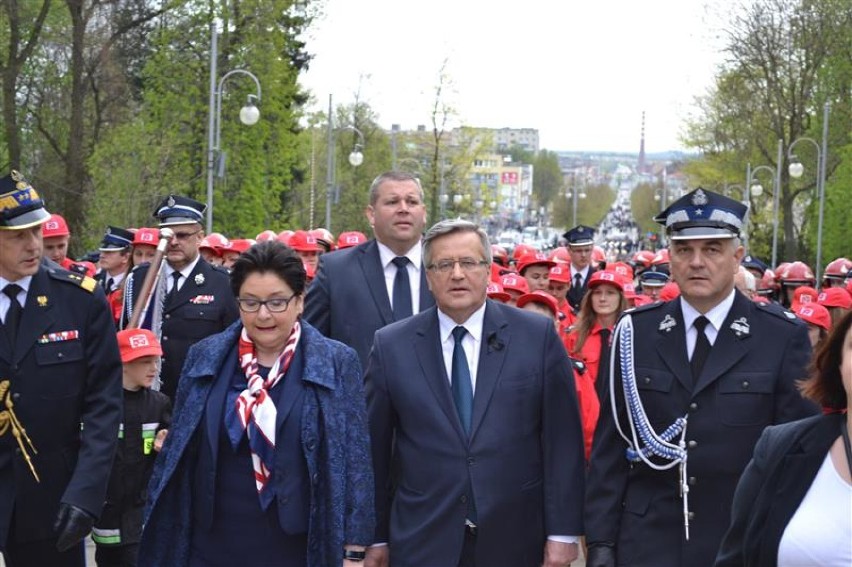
{"points": [[825, 384], [270, 256]]}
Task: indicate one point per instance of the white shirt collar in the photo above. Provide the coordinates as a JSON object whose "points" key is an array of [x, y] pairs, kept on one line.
{"points": [[414, 255], [185, 271], [473, 324], [716, 315], [24, 282]]}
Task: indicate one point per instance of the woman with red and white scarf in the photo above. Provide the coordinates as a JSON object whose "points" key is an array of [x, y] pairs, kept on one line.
{"points": [[267, 461]]}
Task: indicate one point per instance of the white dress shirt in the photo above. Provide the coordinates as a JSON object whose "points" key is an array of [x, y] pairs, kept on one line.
{"points": [[5, 302], [184, 272], [716, 316], [471, 342]]}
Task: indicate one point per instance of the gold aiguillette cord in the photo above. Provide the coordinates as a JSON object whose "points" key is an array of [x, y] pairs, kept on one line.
{"points": [[8, 420]]}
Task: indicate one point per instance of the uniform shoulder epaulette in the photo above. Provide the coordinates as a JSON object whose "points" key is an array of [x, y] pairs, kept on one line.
{"points": [[221, 269], [779, 311], [644, 308], [85, 282]]}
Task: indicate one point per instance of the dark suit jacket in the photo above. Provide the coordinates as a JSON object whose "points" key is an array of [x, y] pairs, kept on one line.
{"points": [[58, 383], [747, 383], [523, 465], [348, 300], [575, 295], [786, 460], [203, 306]]}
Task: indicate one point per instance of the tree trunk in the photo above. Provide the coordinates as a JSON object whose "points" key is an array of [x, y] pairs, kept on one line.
{"points": [[75, 170]]}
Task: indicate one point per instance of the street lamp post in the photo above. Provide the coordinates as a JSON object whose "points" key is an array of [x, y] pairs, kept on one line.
{"points": [[756, 189], [356, 158], [249, 115], [796, 170]]}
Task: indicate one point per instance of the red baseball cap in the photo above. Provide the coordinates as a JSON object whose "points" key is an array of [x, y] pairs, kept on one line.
{"points": [[238, 245], [805, 294], [215, 242], [606, 277], [495, 291], [146, 237], [136, 343], [284, 236], [303, 241], [560, 255], [835, 297], [539, 296], [350, 239], [515, 282], [815, 314], [536, 258], [560, 273], [622, 269], [266, 235], [55, 226]]}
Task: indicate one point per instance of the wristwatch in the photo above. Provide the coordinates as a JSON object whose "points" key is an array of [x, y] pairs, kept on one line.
{"points": [[353, 555]]}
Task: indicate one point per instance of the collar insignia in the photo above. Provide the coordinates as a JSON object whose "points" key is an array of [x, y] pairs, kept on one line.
{"points": [[42, 300], [199, 279], [667, 323], [740, 327]]}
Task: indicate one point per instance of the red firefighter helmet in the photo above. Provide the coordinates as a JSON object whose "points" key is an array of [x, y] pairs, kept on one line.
{"points": [[797, 274], [837, 269]]}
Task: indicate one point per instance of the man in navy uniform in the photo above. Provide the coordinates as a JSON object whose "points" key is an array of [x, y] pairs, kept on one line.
{"points": [[114, 258], [364, 288], [192, 299], [704, 375], [60, 393], [581, 241]]}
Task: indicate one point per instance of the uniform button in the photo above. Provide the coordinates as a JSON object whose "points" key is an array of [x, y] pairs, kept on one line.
{"points": [[283, 500], [691, 515], [692, 480], [463, 499], [745, 384], [471, 460], [693, 406], [692, 444], [201, 312], [647, 379], [165, 339], [168, 316], [60, 355]]}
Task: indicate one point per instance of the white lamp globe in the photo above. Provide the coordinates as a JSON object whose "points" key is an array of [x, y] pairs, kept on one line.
{"points": [[356, 158], [796, 169], [249, 114]]}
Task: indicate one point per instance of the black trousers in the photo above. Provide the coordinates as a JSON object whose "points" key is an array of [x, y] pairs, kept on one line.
{"points": [[468, 554], [43, 553], [117, 555]]}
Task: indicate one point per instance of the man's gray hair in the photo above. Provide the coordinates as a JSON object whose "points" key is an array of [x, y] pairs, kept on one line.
{"points": [[392, 176], [451, 226]]}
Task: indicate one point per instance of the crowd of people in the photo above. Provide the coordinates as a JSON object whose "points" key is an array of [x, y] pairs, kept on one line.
{"points": [[421, 397]]}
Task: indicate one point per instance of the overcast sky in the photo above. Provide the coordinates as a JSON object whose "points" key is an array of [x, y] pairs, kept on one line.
{"points": [[580, 71]]}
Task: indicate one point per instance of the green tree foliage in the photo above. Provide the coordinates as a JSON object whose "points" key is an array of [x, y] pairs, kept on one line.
{"points": [[786, 58], [164, 149], [547, 177], [591, 210]]}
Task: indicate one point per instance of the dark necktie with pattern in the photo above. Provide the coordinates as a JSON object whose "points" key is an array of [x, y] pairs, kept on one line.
{"points": [[401, 290]]}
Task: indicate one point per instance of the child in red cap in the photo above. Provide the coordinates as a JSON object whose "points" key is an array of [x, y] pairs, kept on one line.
{"points": [[145, 422]]}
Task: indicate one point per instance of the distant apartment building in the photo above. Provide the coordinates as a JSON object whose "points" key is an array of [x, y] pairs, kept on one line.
{"points": [[498, 139]]}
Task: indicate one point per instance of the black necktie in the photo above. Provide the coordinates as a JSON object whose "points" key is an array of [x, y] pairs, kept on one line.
{"points": [[462, 387], [702, 348], [602, 379], [174, 290], [13, 315], [578, 280], [108, 285], [401, 290]]}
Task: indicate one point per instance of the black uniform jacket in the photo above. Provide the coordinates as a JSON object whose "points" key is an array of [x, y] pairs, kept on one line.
{"points": [[65, 384], [747, 383], [203, 306]]}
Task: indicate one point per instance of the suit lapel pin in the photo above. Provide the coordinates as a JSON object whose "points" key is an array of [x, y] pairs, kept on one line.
{"points": [[42, 300], [667, 323], [199, 279], [740, 327]]}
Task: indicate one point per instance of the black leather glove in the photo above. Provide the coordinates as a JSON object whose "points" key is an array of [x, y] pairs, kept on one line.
{"points": [[72, 525], [601, 555]]}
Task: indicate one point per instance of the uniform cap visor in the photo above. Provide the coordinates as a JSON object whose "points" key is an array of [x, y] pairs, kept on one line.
{"points": [[26, 220]]}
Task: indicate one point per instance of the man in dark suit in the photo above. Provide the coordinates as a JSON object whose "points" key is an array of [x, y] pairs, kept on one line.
{"points": [[706, 374], [361, 289], [581, 240], [192, 299], [114, 258], [60, 393], [472, 406]]}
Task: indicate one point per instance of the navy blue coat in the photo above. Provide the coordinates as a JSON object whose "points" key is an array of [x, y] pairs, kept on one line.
{"points": [[334, 440], [348, 301], [58, 383], [523, 464], [747, 383]]}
